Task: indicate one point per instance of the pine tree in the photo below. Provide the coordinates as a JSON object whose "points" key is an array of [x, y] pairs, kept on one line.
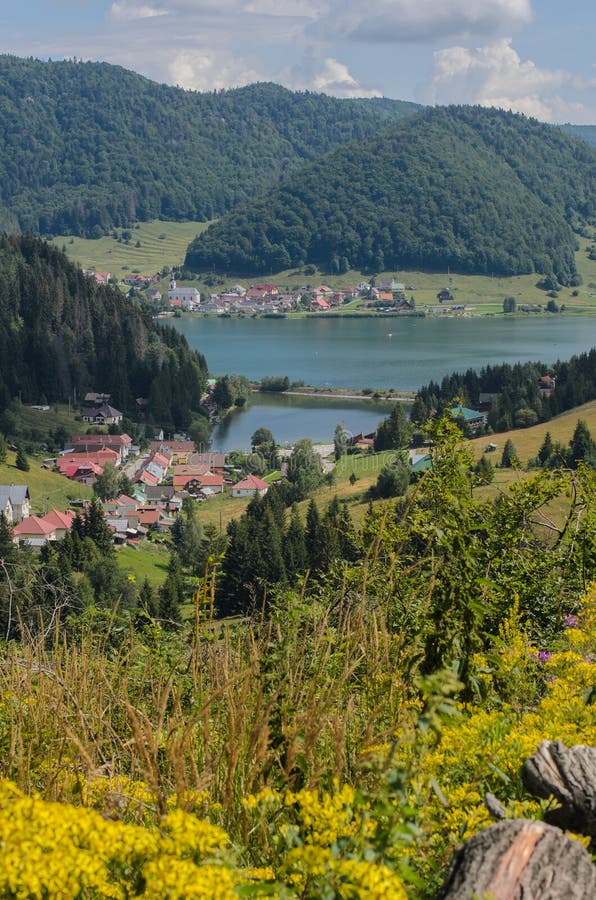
{"points": [[21, 461], [509, 458], [295, 553], [546, 450]]}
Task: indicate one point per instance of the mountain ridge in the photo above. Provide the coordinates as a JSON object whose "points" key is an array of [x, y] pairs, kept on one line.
{"points": [[85, 147], [480, 190]]}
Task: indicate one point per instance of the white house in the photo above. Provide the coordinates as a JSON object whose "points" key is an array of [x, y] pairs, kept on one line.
{"points": [[15, 501], [249, 486], [102, 415]]}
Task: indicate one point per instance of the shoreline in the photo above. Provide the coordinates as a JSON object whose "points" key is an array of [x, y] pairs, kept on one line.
{"points": [[344, 394], [589, 313]]}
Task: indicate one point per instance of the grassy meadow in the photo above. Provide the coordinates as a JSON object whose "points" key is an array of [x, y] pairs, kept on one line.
{"points": [[145, 561], [160, 244]]}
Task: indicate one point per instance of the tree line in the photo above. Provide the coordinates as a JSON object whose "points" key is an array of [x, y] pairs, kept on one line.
{"points": [[516, 399]]}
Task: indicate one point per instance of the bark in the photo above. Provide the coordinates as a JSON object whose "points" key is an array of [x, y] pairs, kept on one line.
{"points": [[520, 860], [569, 775]]}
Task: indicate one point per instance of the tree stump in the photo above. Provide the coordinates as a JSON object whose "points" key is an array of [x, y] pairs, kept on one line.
{"points": [[569, 775], [520, 860]]}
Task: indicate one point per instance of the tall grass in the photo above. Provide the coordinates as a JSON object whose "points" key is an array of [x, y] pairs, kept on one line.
{"points": [[225, 707]]}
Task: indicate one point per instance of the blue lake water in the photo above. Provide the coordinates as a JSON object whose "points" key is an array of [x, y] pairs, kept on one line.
{"points": [[380, 353], [291, 418], [400, 353]]}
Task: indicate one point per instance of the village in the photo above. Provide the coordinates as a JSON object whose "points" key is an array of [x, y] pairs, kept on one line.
{"points": [[385, 296], [170, 471]]}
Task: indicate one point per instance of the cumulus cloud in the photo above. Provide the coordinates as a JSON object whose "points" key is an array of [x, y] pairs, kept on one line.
{"points": [[207, 70], [331, 46], [495, 75], [420, 21], [326, 75], [214, 44]]}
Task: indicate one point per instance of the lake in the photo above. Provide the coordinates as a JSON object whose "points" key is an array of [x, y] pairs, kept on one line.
{"points": [[400, 353], [380, 353], [292, 418]]}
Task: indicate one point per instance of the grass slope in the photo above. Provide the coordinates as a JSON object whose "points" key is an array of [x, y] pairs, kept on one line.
{"points": [[161, 244], [48, 489], [145, 561]]}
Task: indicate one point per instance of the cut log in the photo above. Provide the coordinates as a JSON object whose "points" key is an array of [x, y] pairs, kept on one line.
{"points": [[520, 860], [569, 775]]}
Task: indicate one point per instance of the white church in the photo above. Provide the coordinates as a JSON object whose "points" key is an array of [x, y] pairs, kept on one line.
{"points": [[184, 297]]}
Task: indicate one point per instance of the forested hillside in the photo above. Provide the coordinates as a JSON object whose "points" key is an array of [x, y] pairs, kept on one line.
{"points": [[479, 190], [60, 332], [88, 146]]}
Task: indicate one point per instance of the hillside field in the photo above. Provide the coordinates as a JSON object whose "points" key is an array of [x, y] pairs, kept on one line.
{"points": [[161, 244], [164, 244]]}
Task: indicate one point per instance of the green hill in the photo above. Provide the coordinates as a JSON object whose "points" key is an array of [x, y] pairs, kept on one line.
{"points": [[478, 190], [61, 333], [88, 146]]}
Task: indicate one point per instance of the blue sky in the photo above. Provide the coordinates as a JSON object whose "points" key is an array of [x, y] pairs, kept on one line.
{"points": [[533, 56]]}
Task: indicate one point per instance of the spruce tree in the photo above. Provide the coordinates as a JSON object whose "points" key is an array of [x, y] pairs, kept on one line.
{"points": [[509, 458], [546, 450], [295, 553], [148, 600], [395, 431], [21, 461], [313, 542], [171, 595], [7, 548], [582, 446]]}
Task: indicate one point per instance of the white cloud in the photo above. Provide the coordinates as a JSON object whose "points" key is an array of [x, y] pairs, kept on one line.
{"points": [[327, 76], [406, 21], [495, 75], [127, 12], [207, 70], [333, 46]]}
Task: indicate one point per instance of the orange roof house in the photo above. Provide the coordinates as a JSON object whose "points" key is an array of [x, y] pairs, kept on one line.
{"points": [[215, 482]]}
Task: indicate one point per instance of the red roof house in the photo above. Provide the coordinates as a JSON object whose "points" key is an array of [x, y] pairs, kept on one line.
{"points": [[249, 486], [34, 531]]}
